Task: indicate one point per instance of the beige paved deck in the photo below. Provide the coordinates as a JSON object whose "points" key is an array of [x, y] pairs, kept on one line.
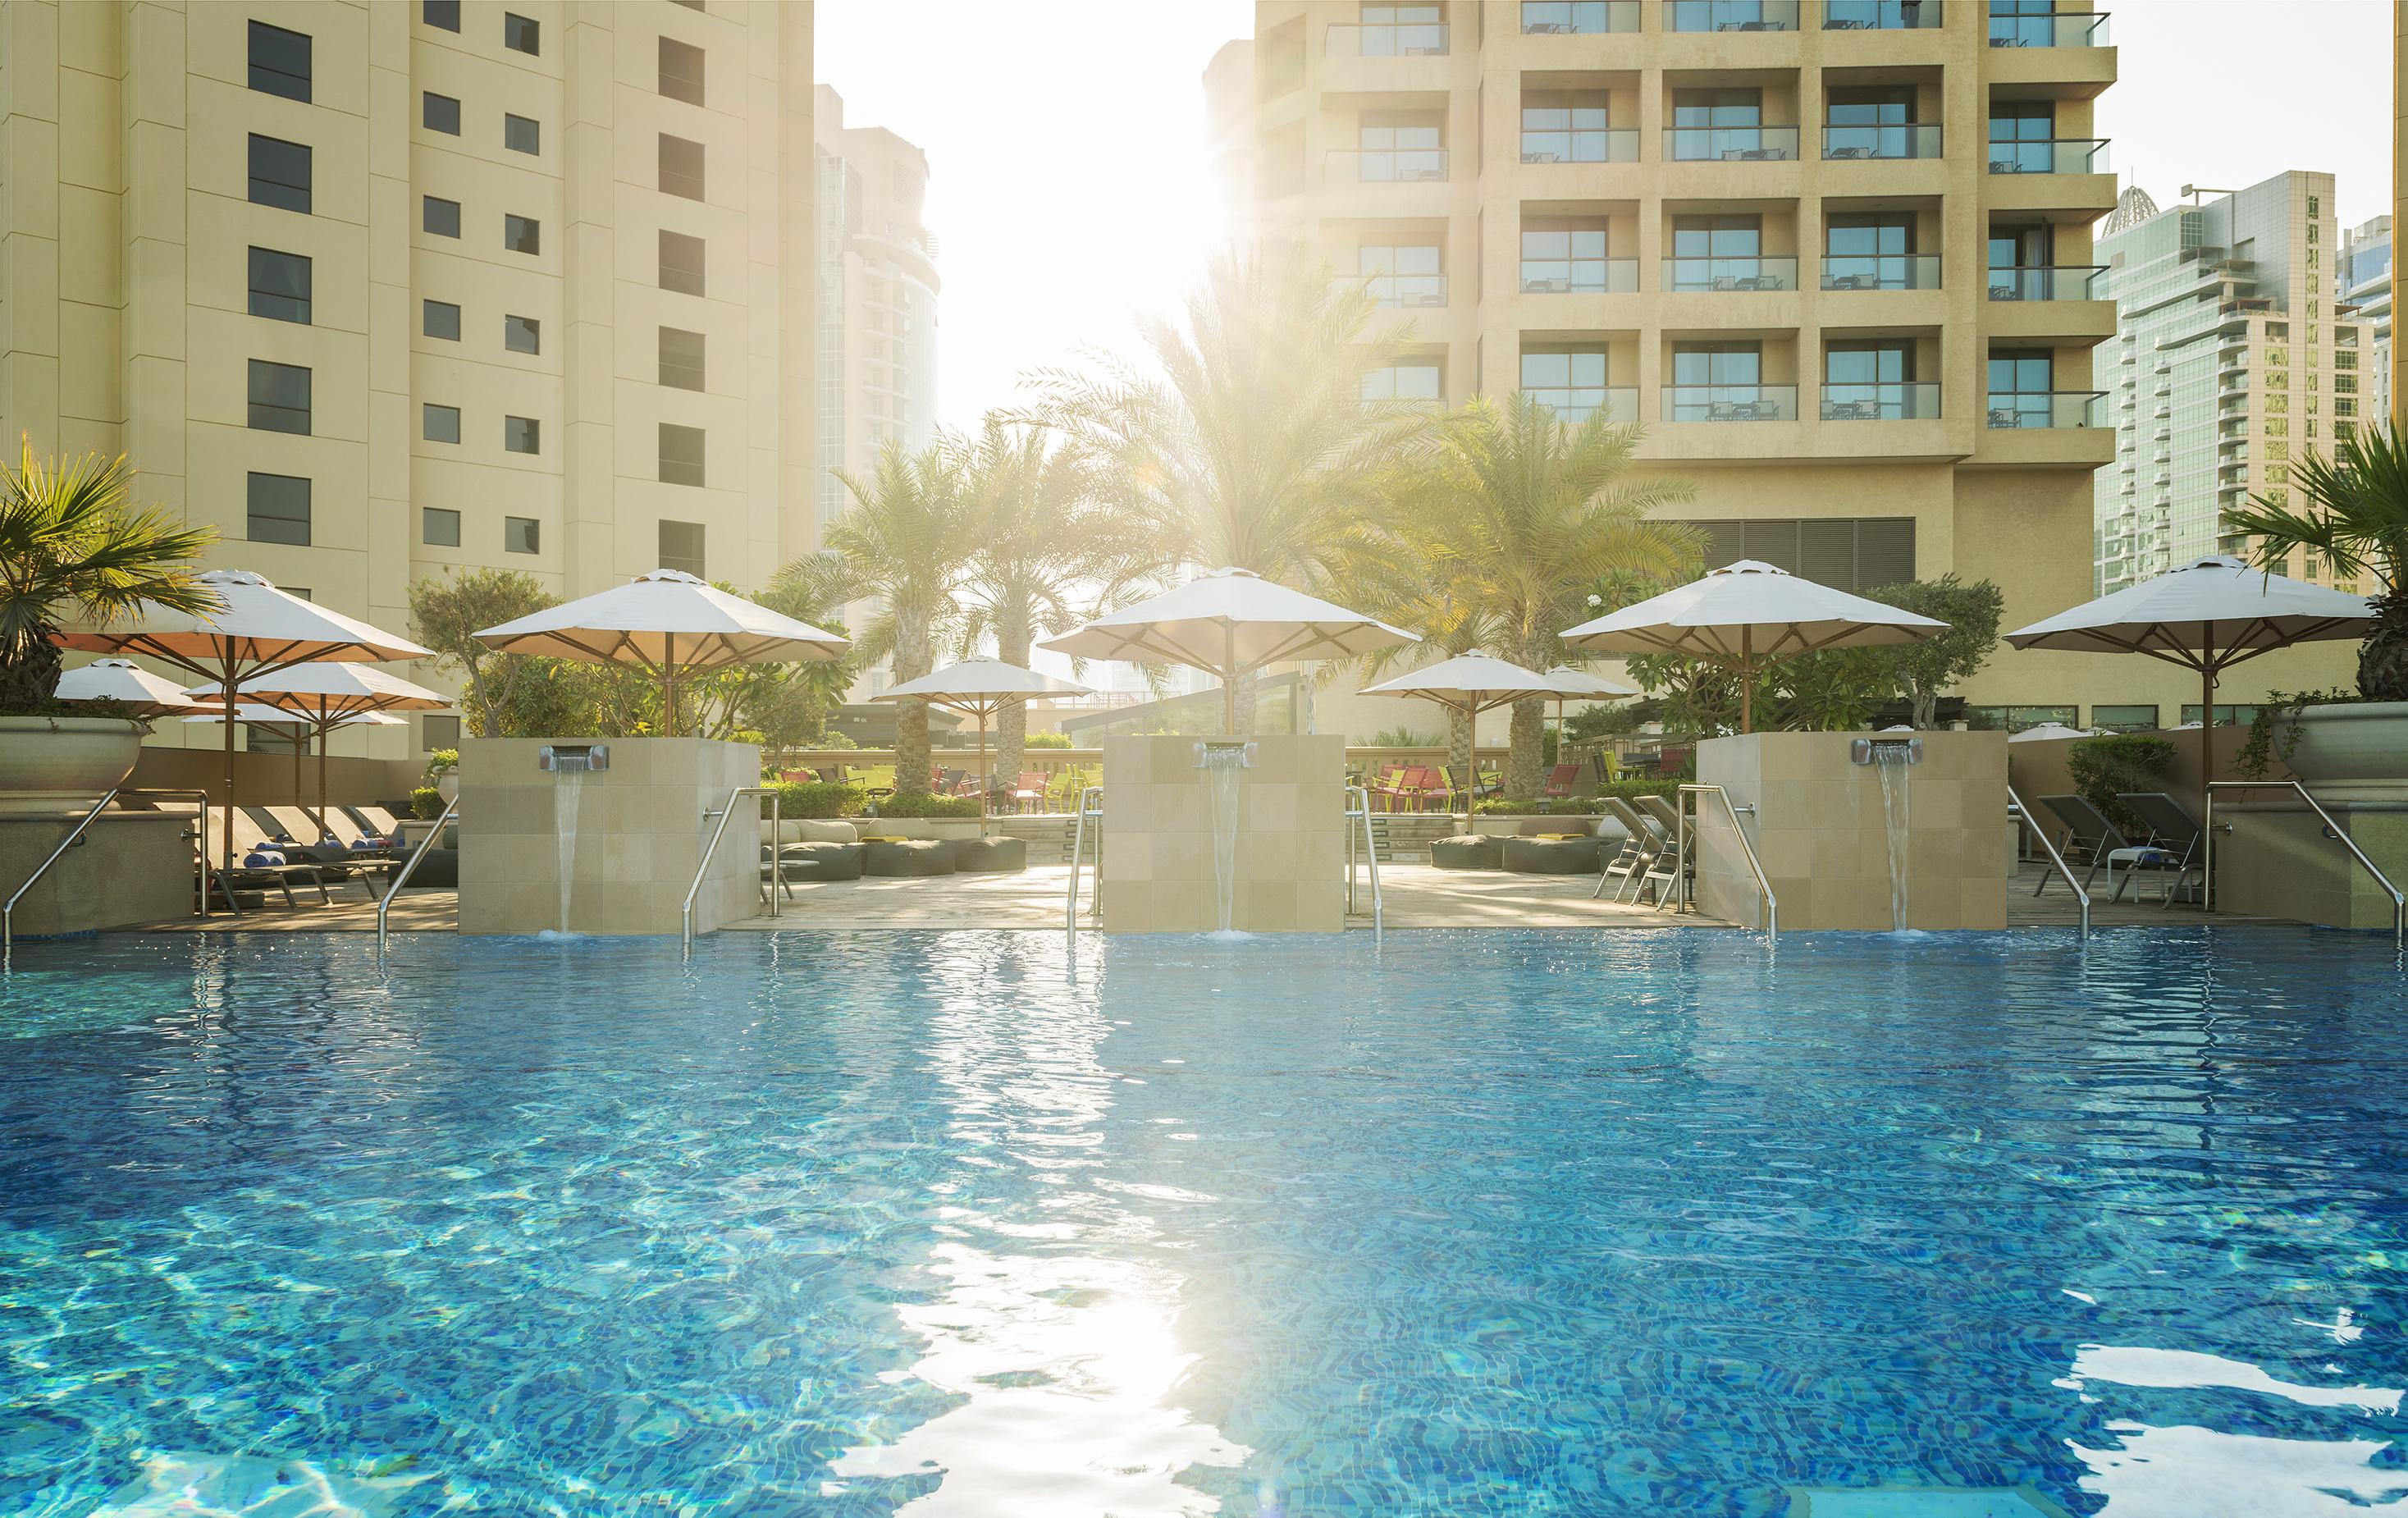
{"points": [[432, 909]]}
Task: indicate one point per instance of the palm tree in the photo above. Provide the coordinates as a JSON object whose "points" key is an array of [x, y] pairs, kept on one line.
{"points": [[68, 539], [1254, 445], [906, 541], [1529, 513], [1398, 571], [814, 589], [2355, 514]]}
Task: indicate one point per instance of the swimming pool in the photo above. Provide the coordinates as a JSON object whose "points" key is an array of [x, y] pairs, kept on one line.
{"points": [[1474, 1223]]}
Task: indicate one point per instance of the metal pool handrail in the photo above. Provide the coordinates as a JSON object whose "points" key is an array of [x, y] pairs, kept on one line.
{"points": [[2016, 808], [1681, 868], [777, 861], [409, 868], [200, 901], [1091, 804], [1358, 805], [2332, 830]]}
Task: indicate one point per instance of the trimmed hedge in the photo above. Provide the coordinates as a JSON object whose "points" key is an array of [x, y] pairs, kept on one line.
{"points": [[927, 804], [818, 799], [1578, 806], [427, 803], [2104, 767]]}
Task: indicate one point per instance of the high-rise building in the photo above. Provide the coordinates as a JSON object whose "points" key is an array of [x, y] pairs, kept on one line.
{"points": [[2232, 357], [1834, 254], [1229, 133], [517, 285], [2366, 284]]}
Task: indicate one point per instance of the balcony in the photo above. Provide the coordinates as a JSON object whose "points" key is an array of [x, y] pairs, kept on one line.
{"points": [[2065, 30], [1732, 144], [1386, 39], [1386, 165], [1880, 15], [2060, 155], [1580, 276], [1730, 15], [1906, 140], [1606, 145], [1730, 403], [2066, 282], [1396, 292], [1890, 401], [2047, 409], [1578, 403], [1579, 17], [1881, 271], [1713, 274]]}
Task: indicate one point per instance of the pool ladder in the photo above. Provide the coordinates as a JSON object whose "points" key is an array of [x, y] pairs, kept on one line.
{"points": [[75, 835], [1358, 811], [1091, 805]]}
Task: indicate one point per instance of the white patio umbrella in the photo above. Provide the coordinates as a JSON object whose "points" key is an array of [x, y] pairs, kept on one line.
{"points": [[128, 684], [980, 688], [1578, 684], [255, 630], [672, 624], [1746, 615], [257, 714], [2208, 615], [323, 696], [1231, 623], [2042, 732], [1470, 683]]}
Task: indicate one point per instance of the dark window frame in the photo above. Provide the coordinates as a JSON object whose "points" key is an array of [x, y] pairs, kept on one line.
{"points": [[431, 220], [428, 516], [511, 122], [674, 469], [522, 34], [283, 193], [517, 229], [267, 415], [679, 179], [253, 516], [431, 106], [674, 52], [533, 536], [513, 324], [676, 559], [533, 433], [426, 309], [443, 15], [678, 370], [266, 294], [427, 413], [293, 86], [697, 274]]}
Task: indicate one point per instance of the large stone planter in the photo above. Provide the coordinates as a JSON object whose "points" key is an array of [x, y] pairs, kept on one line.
{"points": [[65, 763], [2367, 741]]}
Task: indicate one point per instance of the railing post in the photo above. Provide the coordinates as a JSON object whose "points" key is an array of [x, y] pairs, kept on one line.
{"points": [[409, 867], [2332, 829], [8, 911], [2016, 808]]}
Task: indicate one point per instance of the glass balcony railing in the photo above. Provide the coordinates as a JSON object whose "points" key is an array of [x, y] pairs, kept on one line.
{"points": [[1881, 402], [1386, 165], [2067, 29], [2064, 155], [1397, 291], [2048, 409], [1687, 274], [2069, 282], [1730, 403], [1880, 15], [1694, 144], [1386, 39], [1602, 145], [1578, 403], [1730, 15], [1579, 276], [1579, 17], [1881, 271], [1896, 140]]}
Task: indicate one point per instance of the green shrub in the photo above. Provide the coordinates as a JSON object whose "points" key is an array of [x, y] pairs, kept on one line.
{"points": [[818, 799], [1048, 741], [927, 804], [2103, 768], [1404, 738], [833, 739], [442, 760], [427, 803], [1578, 806]]}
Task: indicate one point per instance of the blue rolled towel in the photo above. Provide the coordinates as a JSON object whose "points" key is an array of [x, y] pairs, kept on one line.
{"points": [[259, 858]]}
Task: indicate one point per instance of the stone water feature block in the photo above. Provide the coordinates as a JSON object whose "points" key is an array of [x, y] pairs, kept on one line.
{"points": [[1820, 833], [640, 831], [1291, 858], [2277, 862]]}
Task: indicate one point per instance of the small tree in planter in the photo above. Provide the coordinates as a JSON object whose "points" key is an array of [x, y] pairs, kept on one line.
{"points": [[2106, 769], [2353, 512]]}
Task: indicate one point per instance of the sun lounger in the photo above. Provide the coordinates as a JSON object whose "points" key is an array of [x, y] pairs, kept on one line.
{"points": [[2174, 835], [2089, 831], [1643, 843]]}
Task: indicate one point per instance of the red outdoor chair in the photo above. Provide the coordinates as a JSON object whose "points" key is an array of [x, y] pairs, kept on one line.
{"points": [[1560, 781]]}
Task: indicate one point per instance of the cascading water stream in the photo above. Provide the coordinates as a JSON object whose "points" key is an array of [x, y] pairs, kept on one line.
{"points": [[1893, 762], [1220, 763], [568, 785]]}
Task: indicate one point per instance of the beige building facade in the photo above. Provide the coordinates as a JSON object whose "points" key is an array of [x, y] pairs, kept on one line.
{"points": [[380, 290]]}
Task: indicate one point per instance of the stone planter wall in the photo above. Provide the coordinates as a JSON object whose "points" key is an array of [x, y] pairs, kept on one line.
{"points": [[2367, 741], [1291, 839], [2276, 862], [130, 867], [63, 764]]}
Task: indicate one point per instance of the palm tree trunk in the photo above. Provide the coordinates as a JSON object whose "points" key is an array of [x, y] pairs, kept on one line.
{"points": [[1521, 777], [1012, 637], [1458, 743], [2383, 658], [911, 659], [1247, 690]]}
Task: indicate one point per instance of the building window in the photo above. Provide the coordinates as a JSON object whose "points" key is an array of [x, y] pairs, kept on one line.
{"points": [[438, 113], [1564, 127], [436, 732], [521, 435], [443, 15], [1407, 379], [681, 71], [521, 334], [681, 359], [1853, 554], [680, 454], [440, 525], [522, 133], [682, 547], [522, 534], [681, 264], [1562, 256], [2017, 719], [522, 234], [279, 62], [279, 509], [439, 218], [279, 398], [279, 285], [1569, 380], [2236, 716], [439, 319], [680, 167], [439, 423], [520, 35], [279, 174], [2133, 719]]}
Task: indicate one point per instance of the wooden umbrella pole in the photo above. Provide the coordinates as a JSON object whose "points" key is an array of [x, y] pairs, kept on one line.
{"points": [[225, 688], [1747, 679], [325, 731], [2206, 714], [1229, 678], [986, 781]]}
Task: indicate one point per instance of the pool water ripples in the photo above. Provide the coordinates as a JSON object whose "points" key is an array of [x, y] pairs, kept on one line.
{"points": [[1513, 1223]]}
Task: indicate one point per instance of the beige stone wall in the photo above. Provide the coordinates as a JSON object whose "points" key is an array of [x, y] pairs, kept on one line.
{"points": [[1158, 873], [2277, 862], [640, 831], [130, 867], [1821, 835]]}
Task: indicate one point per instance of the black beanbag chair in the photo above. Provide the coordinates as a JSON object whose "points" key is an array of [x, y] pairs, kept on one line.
{"points": [[1468, 850], [910, 856], [990, 857], [1550, 856]]}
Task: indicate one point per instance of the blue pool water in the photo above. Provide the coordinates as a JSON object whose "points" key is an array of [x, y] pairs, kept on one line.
{"points": [[1472, 1223]]}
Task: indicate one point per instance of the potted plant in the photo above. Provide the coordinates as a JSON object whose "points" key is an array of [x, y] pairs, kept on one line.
{"points": [[72, 548], [2353, 513], [443, 773]]}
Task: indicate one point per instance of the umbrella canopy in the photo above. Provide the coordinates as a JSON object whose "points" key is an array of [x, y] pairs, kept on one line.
{"points": [[980, 688], [323, 696], [128, 684], [1744, 614], [1231, 623], [1470, 683], [255, 629], [2045, 731], [1574, 684], [266, 716], [2208, 615], [670, 622]]}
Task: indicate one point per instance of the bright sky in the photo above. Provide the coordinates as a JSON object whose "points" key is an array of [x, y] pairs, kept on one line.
{"points": [[1066, 141]]}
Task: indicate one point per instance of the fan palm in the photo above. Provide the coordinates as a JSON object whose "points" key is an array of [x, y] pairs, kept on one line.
{"points": [[70, 545], [2355, 514]]}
